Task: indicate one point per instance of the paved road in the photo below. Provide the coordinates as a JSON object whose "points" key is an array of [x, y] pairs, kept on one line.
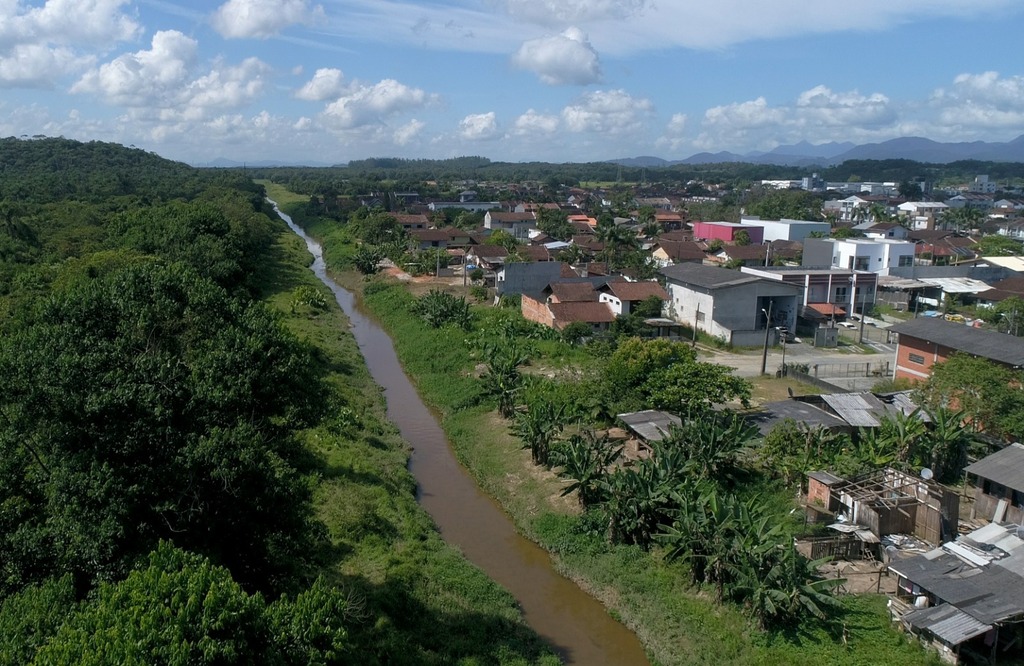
{"points": [[830, 362]]}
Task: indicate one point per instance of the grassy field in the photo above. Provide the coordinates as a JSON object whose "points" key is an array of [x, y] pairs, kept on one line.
{"points": [[676, 622], [423, 603]]}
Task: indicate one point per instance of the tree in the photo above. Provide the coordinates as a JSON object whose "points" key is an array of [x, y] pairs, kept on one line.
{"points": [[149, 404], [367, 259], [910, 190], [554, 223], [657, 373], [538, 426], [502, 378], [995, 246], [987, 393], [586, 459], [181, 608]]}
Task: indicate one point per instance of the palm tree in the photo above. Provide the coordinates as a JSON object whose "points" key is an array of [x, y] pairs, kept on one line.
{"points": [[946, 443]]}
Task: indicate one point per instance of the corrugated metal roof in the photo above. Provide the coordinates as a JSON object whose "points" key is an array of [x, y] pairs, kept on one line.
{"points": [[1005, 467], [857, 409], [947, 622], [652, 425], [999, 347], [958, 285]]}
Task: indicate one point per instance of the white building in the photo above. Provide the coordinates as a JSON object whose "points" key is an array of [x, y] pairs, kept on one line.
{"points": [[983, 185], [788, 230], [859, 254]]}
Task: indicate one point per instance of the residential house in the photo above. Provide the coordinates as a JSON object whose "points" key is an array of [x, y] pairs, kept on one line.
{"points": [[922, 214], [445, 237], [877, 256], [565, 302], [487, 257], [881, 230], [622, 296], [998, 481], [730, 305], [971, 200], [727, 231], [827, 294], [666, 252], [517, 224], [925, 341], [532, 277], [785, 229], [410, 222], [966, 597]]}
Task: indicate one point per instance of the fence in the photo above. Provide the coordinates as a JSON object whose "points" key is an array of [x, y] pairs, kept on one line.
{"points": [[871, 334], [839, 548], [880, 369]]}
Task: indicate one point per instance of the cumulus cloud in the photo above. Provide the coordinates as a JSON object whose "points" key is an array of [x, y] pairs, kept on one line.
{"points": [[479, 126], [39, 45], [533, 124], [818, 114], [162, 83], [409, 131], [674, 137], [609, 112], [562, 59], [361, 105], [325, 84], [983, 100], [241, 19]]}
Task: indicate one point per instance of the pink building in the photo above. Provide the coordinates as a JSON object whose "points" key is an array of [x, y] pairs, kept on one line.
{"points": [[726, 231]]}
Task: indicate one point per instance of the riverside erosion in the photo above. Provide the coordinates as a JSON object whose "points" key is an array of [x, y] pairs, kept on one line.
{"points": [[574, 623]]}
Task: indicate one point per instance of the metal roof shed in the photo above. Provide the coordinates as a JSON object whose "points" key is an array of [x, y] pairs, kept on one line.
{"points": [[1005, 467]]}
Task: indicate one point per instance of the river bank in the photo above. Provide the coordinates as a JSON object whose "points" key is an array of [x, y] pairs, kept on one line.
{"points": [[421, 601]]}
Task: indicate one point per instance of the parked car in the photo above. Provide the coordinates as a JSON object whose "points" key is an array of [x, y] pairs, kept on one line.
{"points": [[847, 324]]}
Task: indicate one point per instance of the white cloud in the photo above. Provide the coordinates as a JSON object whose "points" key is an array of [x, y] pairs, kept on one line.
{"points": [[240, 19], [816, 115], [325, 84], [533, 124], [982, 101], [674, 137], [609, 112], [479, 126], [409, 131], [363, 105], [562, 59], [161, 83], [303, 124], [546, 11], [39, 45], [820, 105]]}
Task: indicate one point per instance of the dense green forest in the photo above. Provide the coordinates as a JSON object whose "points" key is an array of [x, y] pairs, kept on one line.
{"points": [[445, 178], [194, 464]]}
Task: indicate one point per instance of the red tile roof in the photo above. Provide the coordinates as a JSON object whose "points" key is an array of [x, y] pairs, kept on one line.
{"points": [[565, 292], [590, 312], [636, 291]]}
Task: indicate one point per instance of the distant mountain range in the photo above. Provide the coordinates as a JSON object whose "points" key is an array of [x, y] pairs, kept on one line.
{"points": [[805, 154]]}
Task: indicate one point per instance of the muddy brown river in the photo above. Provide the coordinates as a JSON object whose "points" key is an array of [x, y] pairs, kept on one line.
{"points": [[574, 623]]}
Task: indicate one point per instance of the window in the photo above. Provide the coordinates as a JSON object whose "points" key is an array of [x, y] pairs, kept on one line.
{"points": [[700, 316], [862, 263], [907, 260], [916, 358], [841, 292]]}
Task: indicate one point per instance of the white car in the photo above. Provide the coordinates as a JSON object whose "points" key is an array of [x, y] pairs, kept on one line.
{"points": [[847, 324]]}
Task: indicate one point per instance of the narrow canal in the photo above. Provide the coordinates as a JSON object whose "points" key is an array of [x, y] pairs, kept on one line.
{"points": [[578, 627]]}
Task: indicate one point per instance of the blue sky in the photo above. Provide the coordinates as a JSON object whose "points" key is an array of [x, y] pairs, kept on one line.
{"points": [[516, 80]]}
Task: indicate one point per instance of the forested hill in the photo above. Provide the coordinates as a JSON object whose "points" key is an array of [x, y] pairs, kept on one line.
{"points": [[159, 498], [45, 170]]}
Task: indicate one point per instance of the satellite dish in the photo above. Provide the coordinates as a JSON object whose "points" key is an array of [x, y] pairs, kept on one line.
{"points": [[927, 474]]}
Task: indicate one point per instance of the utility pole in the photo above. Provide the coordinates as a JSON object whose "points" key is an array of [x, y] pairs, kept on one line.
{"points": [[767, 330]]}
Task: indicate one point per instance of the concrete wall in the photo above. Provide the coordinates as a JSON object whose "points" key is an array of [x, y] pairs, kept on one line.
{"points": [[791, 230], [931, 353]]}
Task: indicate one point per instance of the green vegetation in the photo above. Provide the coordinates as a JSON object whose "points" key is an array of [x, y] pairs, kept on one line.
{"points": [[194, 463], [473, 379]]}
